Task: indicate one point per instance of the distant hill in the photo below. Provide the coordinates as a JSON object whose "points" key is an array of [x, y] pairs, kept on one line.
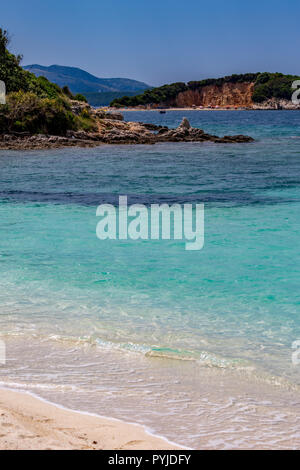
{"points": [[105, 98], [83, 82]]}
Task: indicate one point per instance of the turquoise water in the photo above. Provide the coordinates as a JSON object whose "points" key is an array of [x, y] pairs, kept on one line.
{"points": [[236, 302]]}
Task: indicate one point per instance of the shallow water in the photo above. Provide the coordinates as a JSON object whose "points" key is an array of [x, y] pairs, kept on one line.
{"points": [[234, 305]]}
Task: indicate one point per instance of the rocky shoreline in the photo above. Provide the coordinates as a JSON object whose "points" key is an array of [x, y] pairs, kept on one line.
{"points": [[112, 129], [275, 104]]}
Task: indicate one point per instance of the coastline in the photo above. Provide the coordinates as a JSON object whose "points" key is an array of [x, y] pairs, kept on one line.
{"points": [[188, 108], [208, 406], [30, 423], [254, 108], [203, 406], [117, 131], [149, 257]]}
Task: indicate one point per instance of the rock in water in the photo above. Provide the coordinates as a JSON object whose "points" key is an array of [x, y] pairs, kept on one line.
{"points": [[115, 131], [185, 124]]}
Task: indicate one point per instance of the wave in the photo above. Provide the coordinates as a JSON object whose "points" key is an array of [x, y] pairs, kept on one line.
{"points": [[203, 359]]}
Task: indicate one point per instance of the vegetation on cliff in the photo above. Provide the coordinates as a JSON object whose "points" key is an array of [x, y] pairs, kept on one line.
{"points": [[273, 85], [160, 95], [26, 112], [235, 78], [34, 104], [105, 98], [266, 86]]}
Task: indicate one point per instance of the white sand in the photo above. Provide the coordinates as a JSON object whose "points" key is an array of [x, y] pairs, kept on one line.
{"points": [[29, 423]]}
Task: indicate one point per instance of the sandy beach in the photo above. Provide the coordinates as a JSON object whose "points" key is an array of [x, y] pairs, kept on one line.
{"points": [[28, 423]]}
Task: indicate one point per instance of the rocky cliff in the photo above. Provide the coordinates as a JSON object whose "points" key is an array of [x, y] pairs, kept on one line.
{"points": [[228, 94]]}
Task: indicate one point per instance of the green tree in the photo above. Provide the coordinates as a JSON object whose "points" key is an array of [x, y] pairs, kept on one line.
{"points": [[80, 97]]}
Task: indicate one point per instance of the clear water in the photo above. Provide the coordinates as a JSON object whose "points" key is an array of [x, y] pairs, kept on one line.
{"points": [[234, 305]]}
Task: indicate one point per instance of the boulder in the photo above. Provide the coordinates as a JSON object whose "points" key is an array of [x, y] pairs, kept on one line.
{"points": [[185, 124], [78, 106], [114, 116]]}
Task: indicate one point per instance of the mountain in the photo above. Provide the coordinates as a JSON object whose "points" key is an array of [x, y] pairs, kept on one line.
{"points": [[80, 81]]}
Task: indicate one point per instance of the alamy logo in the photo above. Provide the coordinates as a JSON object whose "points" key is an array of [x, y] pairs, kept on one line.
{"points": [[2, 353], [2, 92], [296, 354], [296, 94], [159, 221]]}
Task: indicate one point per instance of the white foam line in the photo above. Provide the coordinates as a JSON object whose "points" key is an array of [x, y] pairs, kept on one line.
{"points": [[95, 415]]}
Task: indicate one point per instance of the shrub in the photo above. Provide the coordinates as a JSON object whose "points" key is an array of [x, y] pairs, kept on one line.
{"points": [[273, 85], [80, 97], [159, 95], [86, 123], [25, 111], [17, 79], [66, 91]]}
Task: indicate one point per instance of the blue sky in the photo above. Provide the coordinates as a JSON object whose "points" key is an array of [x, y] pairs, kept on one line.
{"points": [[157, 41]]}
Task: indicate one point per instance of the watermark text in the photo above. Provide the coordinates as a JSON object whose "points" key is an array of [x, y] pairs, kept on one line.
{"points": [[296, 94], [2, 92], [296, 353], [157, 222], [2, 353]]}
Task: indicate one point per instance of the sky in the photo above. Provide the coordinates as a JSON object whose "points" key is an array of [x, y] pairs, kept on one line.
{"points": [[154, 41]]}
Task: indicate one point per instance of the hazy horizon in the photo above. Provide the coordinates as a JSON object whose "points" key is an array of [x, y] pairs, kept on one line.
{"points": [[175, 43]]}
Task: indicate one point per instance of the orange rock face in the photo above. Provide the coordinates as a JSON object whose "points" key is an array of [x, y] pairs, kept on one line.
{"points": [[229, 94]]}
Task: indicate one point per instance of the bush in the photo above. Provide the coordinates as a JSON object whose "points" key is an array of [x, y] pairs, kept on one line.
{"points": [[66, 91], [80, 97], [86, 123], [10, 71], [160, 95], [273, 85], [26, 112], [235, 78], [17, 79]]}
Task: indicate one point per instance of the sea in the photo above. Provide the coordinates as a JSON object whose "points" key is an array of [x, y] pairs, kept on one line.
{"points": [[200, 347]]}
